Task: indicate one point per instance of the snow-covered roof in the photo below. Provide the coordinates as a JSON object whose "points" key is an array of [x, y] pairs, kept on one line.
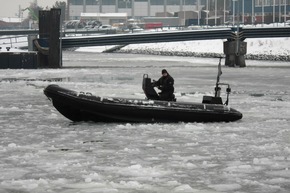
{"points": [[104, 14]]}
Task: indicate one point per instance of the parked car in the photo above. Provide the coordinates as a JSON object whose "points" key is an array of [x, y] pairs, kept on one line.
{"points": [[104, 27], [74, 24], [92, 24]]}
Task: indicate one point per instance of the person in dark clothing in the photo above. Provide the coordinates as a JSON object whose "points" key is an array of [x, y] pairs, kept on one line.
{"points": [[165, 84]]}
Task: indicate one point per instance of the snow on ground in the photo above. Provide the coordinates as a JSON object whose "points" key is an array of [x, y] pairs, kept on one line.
{"points": [[258, 49], [267, 46]]}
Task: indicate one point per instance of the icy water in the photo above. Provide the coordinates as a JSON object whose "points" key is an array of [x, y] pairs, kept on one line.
{"points": [[41, 151]]}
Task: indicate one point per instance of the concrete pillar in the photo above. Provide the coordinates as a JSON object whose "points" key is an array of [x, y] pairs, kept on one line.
{"points": [[235, 51], [30, 39]]}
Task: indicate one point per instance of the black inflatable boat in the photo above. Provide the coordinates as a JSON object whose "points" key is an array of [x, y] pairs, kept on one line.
{"points": [[81, 106]]}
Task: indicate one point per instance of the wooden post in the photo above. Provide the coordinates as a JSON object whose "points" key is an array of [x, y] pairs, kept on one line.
{"points": [[43, 34], [54, 56], [49, 29]]}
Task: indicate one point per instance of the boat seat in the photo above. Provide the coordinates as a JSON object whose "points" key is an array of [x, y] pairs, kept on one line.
{"points": [[149, 89]]}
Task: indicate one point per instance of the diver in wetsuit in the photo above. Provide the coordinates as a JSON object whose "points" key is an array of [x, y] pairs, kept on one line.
{"points": [[165, 84]]}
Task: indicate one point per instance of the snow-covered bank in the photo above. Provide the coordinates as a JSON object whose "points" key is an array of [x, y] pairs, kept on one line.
{"points": [[257, 49]]}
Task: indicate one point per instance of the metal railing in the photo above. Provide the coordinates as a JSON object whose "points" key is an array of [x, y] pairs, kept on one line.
{"points": [[10, 41], [147, 38]]}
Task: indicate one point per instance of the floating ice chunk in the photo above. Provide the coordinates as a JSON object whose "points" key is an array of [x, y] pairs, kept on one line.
{"points": [[134, 167], [191, 144], [131, 184], [279, 181], [127, 125], [225, 187], [184, 188], [281, 173], [172, 183], [131, 150], [262, 161], [190, 165], [12, 145], [161, 140]]}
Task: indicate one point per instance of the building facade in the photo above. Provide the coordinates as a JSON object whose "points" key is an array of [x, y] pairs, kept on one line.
{"points": [[134, 8], [260, 11], [246, 11]]}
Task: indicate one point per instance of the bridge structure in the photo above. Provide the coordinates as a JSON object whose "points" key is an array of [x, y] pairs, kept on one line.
{"points": [[186, 35], [234, 47], [155, 37]]}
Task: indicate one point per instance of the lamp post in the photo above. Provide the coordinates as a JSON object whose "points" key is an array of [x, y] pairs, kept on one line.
{"points": [[234, 11], [84, 6], [243, 11], [207, 11], [206, 19], [224, 11], [253, 13], [285, 4], [184, 12], [238, 25], [215, 12], [198, 12], [279, 11], [99, 2], [274, 12], [263, 13]]}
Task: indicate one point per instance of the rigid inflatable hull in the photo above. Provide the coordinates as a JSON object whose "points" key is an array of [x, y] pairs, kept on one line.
{"points": [[86, 107]]}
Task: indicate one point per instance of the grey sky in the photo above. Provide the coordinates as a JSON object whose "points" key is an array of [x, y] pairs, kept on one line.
{"points": [[10, 8]]}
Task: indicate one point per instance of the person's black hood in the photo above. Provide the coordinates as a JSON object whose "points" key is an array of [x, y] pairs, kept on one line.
{"points": [[164, 71]]}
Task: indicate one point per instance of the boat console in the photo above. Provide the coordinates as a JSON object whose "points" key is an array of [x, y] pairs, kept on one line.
{"points": [[149, 90]]}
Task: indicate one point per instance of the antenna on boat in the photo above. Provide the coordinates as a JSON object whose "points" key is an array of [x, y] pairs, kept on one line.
{"points": [[217, 88], [218, 83]]}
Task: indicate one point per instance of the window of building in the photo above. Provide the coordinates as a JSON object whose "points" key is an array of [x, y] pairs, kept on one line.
{"points": [[259, 3], [81, 2], [188, 2], [108, 2], [157, 2], [77, 2], [92, 2], [124, 3], [173, 2]]}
